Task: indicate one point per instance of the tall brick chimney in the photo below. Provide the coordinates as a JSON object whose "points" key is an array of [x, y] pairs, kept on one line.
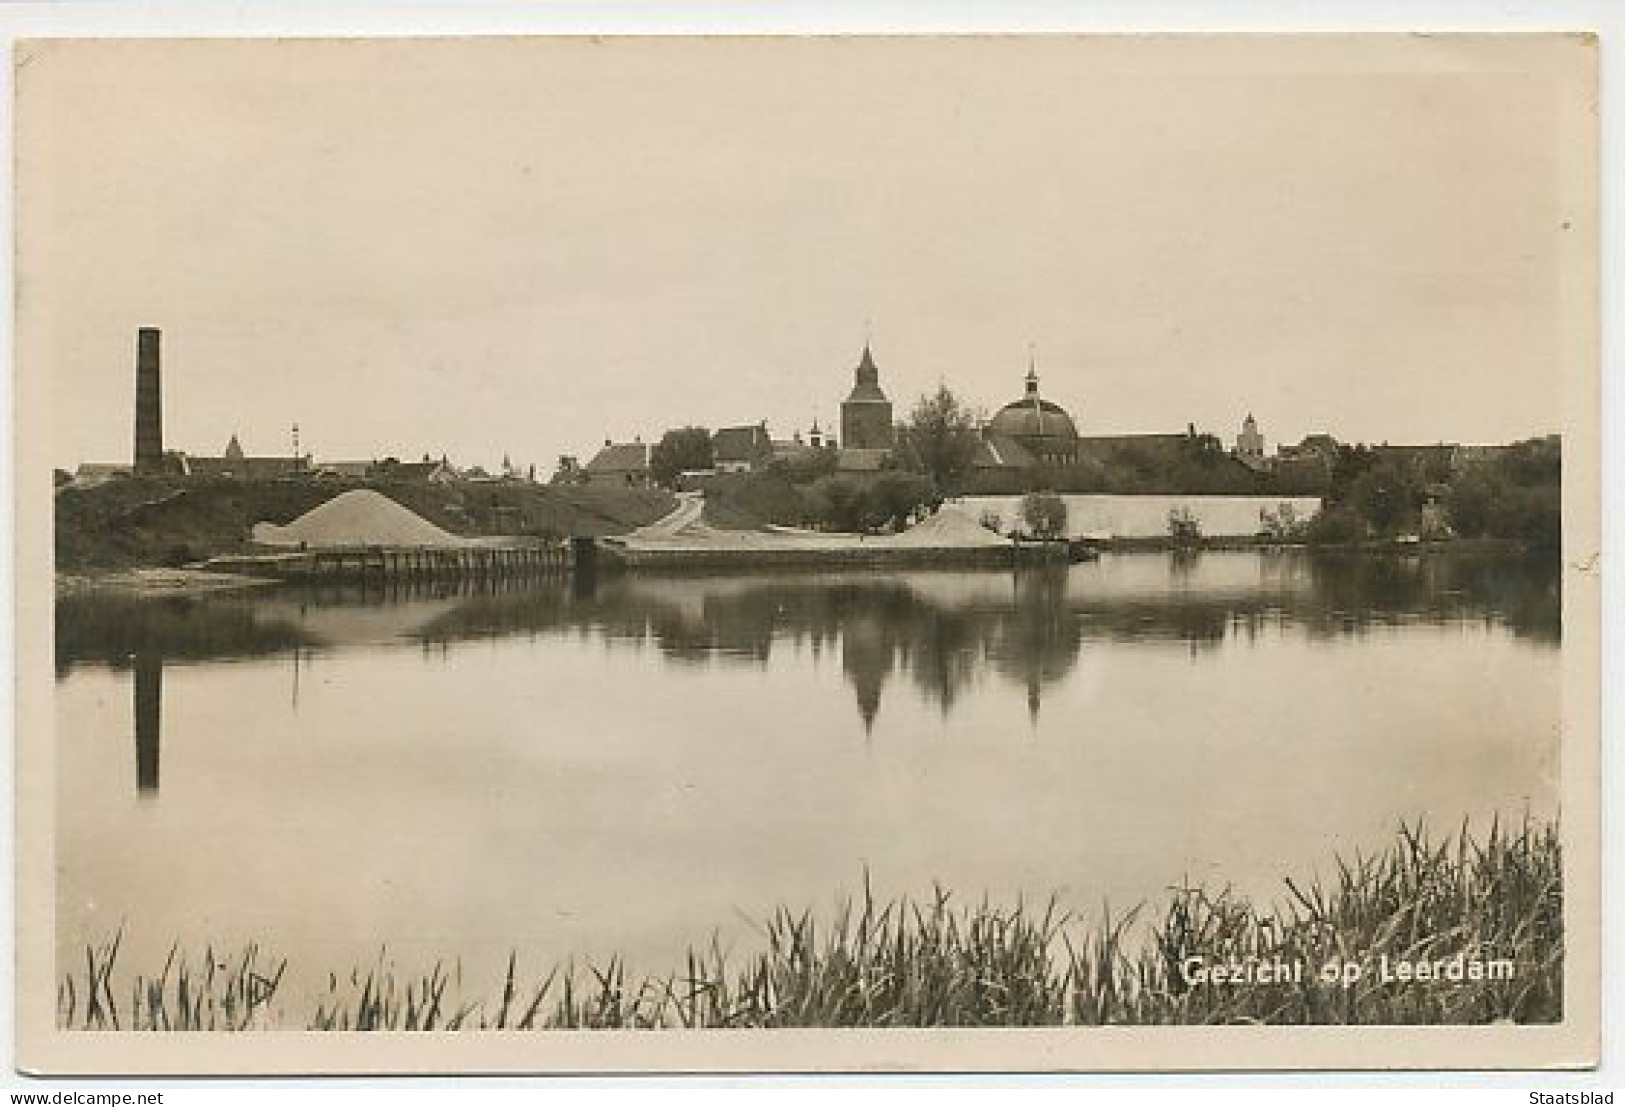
{"points": [[149, 411]]}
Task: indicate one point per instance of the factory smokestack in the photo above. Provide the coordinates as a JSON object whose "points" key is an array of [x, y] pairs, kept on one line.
{"points": [[149, 412]]}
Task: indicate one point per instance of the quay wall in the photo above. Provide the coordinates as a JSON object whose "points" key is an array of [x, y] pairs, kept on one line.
{"points": [[1106, 517]]}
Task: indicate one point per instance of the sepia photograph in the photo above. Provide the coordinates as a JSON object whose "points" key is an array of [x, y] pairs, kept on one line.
{"points": [[807, 553]]}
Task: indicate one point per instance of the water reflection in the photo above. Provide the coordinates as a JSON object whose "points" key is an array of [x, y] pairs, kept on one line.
{"points": [[149, 694], [939, 632]]}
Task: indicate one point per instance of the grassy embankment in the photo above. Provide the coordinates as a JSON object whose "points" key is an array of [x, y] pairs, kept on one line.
{"points": [[940, 963], [159, 522]]}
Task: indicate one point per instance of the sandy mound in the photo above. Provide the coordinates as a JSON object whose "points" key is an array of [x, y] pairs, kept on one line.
{"points": [[948, 527], [360, 517]]}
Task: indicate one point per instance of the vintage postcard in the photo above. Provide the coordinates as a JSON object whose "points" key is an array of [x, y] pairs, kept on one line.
{"points": [[807, 553]]}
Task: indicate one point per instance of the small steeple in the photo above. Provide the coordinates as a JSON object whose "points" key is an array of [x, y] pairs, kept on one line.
{"points": [[868, 372], [234, 449]]}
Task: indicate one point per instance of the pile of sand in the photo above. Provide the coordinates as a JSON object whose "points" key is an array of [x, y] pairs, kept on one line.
{"points": [[360, 517], [949, 526]]}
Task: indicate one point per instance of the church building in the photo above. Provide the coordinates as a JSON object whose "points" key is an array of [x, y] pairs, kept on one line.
{"points": [[1033, 430], [866, 422]]}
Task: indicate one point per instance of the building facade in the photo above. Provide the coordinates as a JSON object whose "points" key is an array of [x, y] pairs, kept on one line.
{"points": [[1250, 445], [1034, 428], [866, 416]]}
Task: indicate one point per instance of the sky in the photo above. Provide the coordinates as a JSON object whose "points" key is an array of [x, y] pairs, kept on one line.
{"points": [[522, 247]]}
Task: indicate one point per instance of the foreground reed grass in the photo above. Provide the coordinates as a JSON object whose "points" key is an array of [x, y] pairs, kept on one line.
{"points": [[1482, 913]]}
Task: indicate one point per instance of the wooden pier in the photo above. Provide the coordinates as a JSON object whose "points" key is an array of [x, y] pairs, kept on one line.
{"points": [[394, 563]]}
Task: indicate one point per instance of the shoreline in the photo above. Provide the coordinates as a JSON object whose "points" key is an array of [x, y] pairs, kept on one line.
{"points": [[152, 581], [159, 581], [1336, 952]]}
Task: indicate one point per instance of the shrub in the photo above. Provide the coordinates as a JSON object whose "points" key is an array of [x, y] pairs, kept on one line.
{"points": [[1334, 526], [1280, 524], [1184, 528], [1044, 514]]}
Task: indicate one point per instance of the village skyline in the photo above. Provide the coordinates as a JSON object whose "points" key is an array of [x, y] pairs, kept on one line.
{"points": [[571, 242], [1248, 436]]}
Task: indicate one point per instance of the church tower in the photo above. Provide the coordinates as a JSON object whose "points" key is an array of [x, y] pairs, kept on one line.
{"points": [[866, 414], [1250, 443]]}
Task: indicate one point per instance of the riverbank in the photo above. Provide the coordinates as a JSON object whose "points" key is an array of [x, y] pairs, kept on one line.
{"points": [[1165, 544], [1463, 929], [144, 522], [154, 582]]}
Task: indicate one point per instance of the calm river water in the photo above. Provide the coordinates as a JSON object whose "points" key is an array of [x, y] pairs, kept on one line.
{"points": [[637, 765]]}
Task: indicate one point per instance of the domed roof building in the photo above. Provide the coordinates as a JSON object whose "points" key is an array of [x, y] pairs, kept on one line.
{"points": [[1037, 427]]}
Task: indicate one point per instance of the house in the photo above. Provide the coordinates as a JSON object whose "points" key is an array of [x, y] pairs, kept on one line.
{"points": [[1318, 448], [426, 471], [90, 474], [234, 464], [859, 462], [741, 449], [622, 463], [790, 449], [345, 470]]}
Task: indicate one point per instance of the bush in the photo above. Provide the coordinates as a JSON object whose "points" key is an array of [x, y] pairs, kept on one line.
{"points": [[1044, 514], [179, 555], [1280, 524], [895, 498], [1184, 528], [1334, 526]]}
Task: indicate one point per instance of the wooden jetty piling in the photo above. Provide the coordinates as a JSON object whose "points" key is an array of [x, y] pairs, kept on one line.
{"points": [[409, 563]]}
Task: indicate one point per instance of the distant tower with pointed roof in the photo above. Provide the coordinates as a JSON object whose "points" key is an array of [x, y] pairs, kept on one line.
{"points": [[866, 422], [1250, 443]]}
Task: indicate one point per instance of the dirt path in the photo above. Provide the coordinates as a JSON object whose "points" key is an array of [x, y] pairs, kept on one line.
{"points": [[687, 512]]}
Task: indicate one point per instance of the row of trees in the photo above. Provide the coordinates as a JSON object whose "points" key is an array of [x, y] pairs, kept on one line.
{"points": [[1513, 493]]}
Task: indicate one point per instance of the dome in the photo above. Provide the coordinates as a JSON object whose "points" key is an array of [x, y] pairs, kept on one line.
{"points": [[1031, 417]]}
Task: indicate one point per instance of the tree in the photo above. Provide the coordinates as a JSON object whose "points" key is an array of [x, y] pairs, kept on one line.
{"points": [[1350, 463], [942, 433], [1386, 497], [1280, 524], [837, 502], [678, 451], [893, 498], [1184, 528], [1334, 526], [1471, 501], [1044, 513]]}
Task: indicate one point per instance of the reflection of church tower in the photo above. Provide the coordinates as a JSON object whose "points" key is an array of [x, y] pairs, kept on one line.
{"points": [[866, 414], [866, 655], [149, 694], [1040, 640]]}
